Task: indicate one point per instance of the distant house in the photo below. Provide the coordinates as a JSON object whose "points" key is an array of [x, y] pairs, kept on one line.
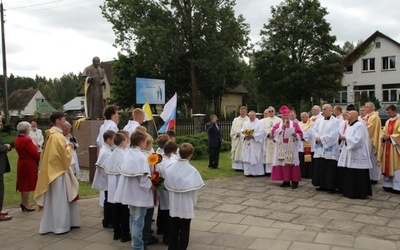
{"points": [[28, 102], [371, 68], [233, 100], [76, 105]]}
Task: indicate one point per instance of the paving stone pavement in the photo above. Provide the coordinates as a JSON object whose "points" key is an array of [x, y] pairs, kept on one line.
{"points": [[241, 213]]}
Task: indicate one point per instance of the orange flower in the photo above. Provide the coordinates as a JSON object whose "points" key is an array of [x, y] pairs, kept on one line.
{"points": [[154, 158]]}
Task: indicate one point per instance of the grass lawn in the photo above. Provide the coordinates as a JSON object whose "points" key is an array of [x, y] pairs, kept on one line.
{"points": [[13, 198]]}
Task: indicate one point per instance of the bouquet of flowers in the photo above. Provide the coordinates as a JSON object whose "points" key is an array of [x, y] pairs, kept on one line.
{"points": [[155, 177], [157, 180], [248, 132]]}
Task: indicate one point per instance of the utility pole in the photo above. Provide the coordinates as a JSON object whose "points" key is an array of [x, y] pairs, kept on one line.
{"points": [[3, 42]]}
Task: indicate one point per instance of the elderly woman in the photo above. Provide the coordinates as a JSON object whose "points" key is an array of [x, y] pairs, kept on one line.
{"points": [[28, 156]]}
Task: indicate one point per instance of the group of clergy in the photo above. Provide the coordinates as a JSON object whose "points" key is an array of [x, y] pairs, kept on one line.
{"points": [[341, 152]]}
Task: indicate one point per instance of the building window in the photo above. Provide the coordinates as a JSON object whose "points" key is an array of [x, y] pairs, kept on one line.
{"points": [[368, 64], [388, 63], [340, 97], [367, 91], [390, 92], [349, 69], [378, 45], [82, 102]]}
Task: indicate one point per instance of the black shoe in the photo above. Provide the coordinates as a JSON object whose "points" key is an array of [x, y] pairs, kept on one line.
{"points": [[386, 189], [108, 225], [332, 191], [320, 189], [294, 184], [373, 182], [125, 239], [26, 209], [285, 184], [153, 240], [159, 232], [116, 237]]}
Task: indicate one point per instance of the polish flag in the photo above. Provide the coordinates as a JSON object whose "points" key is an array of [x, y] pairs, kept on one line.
{"points": [[169, 114]]}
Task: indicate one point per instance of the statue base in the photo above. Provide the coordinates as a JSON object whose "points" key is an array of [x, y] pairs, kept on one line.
{"points": [[86, 135]]}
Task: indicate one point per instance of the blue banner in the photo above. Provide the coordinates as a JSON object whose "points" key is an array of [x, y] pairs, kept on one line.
{"points": [[150, 90]]}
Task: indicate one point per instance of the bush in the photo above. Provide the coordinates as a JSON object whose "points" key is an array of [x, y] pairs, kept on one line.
{"points": [[8, 134], [199, 142]]}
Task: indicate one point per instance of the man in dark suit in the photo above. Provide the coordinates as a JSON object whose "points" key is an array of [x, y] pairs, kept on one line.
{"points": [[4, 168], [214, 141]]}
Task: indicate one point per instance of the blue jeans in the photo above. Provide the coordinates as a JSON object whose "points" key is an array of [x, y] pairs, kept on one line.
{"points": [[136, 225]]}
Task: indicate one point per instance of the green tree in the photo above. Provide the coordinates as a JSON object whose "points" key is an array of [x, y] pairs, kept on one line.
{"points": [[298, 58], [347, 48], [193, 44]]}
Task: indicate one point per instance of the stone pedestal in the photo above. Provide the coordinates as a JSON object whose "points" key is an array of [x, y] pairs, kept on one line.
{"points": [[86, 135], [198, 123]]}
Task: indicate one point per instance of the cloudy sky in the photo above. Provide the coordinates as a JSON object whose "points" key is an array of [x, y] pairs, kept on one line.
{"points": [[55, 37]]}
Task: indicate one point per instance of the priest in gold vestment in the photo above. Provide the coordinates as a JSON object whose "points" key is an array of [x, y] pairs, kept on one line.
{"points": [[237, 139], [57, 188], [390, 151]]}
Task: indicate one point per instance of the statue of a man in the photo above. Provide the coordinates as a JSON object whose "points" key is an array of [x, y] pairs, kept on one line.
{"points": [[94, 77]]}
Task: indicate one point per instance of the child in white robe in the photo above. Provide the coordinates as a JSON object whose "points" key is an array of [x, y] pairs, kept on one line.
{"points": [[112, 166], [183, 181], [100, 180], [163, 218], [135, 188]]}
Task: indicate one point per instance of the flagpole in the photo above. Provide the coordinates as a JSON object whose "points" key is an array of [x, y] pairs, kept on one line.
{"points": [[155, 126]]}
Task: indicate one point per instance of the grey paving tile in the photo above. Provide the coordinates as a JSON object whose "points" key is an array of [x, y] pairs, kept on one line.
{"points": [[372, 243], [262, 232], [201, 225], [361, 209], [204, 214], [261, 243], [228, 228], [297, 245], [296, 235], [235, 241], [380, 231], [388, 213], [380, 204], [306, 202], [308, 210], [287, 225], [236, 193], [260, 212], [228, 217], [332, 214], [279, 206], [310, 220], [281, 216], [257, 221], [99, 246], [234, 199], [201, 246], [230, 208], [256, 203], [375, 220], [335, 239], [332, 205], [67, 243], [203, 237], [283, 199], [344, 226]]}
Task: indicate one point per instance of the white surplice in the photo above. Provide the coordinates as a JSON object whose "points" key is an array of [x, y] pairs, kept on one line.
{"points": [[100, 180], [269, 144], [328, 132], [112, 167], [253, 149], [237, 142]]}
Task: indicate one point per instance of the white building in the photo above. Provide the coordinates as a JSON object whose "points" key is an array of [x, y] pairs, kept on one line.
{"points": [[372, 68]]}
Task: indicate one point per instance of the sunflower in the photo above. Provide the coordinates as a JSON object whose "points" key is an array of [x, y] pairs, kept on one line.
{"points": [[154, 158]]}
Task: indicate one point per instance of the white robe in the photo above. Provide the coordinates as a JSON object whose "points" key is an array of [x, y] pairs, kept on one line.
{"points": [[253, 150], [328, 132], [163, 195], [100, 180], [113, 167], [58, 214], [269, 144], [237, 142], [342, 129], [107, 125], [134, 183], [183, 182], [355, 152], [131, 126]]}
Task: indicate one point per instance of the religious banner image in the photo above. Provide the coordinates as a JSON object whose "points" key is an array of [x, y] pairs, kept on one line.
{"points": [[150, 90]]}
